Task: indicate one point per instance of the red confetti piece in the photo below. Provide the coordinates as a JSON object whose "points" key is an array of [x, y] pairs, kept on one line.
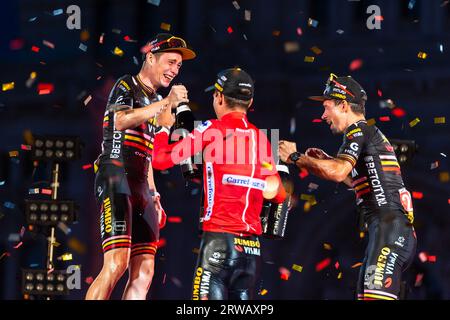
{"points": [[51, 270], [161, 243], [418, 281], [380, 93], [45, 88], [117, 163], [35, 49], [5, 254], [303, 173], [385, 119], [16, 44], [299, 31], [89, 280], [398, 112], [127, 38], [284, 273], [323, 264], [336, 265], [25, 147], [230, 30], [379, 18], [449, 201], [46, 191], [431, 258], [317, 120], [417, 195], [174, 219], [17, 246], [423, 256], [356, 64], [87, 166]]}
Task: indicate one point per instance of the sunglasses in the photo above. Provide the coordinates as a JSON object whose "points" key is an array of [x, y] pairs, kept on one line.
{"points": [[172, 42], [332, 80]]}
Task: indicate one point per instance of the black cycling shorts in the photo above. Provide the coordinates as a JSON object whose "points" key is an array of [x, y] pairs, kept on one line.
{"points": [[228, 267], [391, 249], [128, 217]]}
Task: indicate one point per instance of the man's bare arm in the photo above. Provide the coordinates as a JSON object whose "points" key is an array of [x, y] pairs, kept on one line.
{"points": [[331, 169], [127, 119]]}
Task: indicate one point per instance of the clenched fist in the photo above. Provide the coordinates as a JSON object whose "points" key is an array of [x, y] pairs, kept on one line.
{"points": [[285, 149], [177, 95]]}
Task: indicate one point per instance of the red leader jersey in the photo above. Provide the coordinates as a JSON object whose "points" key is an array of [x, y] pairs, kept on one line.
{"points": [[237, 159]]}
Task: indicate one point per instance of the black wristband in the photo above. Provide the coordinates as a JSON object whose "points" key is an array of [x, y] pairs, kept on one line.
{"points": [[294, 156]]}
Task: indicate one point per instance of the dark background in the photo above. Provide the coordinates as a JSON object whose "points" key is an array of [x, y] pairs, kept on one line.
{"points": [[390, 65]]}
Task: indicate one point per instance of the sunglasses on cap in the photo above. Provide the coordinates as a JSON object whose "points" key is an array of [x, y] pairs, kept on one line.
{"points": [[332, 81], [172, 42]]}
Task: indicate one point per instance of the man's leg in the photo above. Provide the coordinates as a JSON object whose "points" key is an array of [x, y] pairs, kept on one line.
{"points": [[114, 265], [140, 270]]}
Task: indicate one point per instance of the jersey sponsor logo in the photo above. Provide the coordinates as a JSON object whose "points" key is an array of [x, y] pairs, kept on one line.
{"points": [[105, 220], [354, 132], [243, 181], [375, 181], [120, 226], [405, 199], [200, 288], [116, 144], [400, 241], [351, 152], [381, 266], [203, 126], [247, 243], [248, 246], [209, 190], [215, 257], [354, 146]]}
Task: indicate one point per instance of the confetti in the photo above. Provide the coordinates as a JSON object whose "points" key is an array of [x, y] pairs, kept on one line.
{"points": [[385, 119], [431, 258], [379, 18], [2, 183], [101, 38], [317, 120], [7, 86], [5, 254], [340, 275], [57, 12], [174, 219], [291, 46], [33, 191], [236, 5], [313, 23], [434, 165], [118, 52], [82, 47], [299, 31], [48, 44], [303, 173], [297, 268], [316, 50], [35, 49], [441, 48], [13, 154], [417, 195], [64, 228], [65, 257], [444, 176], [284, 273], [76, 245], [230, 30], [379, 93], [165, 26], [84, 35], [245, 37], [116, 31], [414, 122], [336, 265], [398, 112], [323, 264], [339, 31], [17, 246], [313, 186], [46, 191], [292, 126], [89, 280], [86, 101], [9, 205], [356, 265], [443, 154], [356, 64], [263, 292], [267, 165], [86, 166], [154, 2], [247, 15], [45, 88], [32, 19], [161, 243], [371, 122], [276, 33], [419, 278], [423, 256], [327, 246], [422, 55], [309, 59], [439, 120], [25, 147], [135, 60], [411, 4]]}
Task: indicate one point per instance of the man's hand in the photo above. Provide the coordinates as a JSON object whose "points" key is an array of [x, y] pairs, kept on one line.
{"points": [[162, 217], [165, 118], [285, 149], [177, 94], [318, 154]]}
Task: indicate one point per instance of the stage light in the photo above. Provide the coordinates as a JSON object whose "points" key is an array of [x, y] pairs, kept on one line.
{"points": [[40, 282], [49, 212], [404, 150], [56, 148]]}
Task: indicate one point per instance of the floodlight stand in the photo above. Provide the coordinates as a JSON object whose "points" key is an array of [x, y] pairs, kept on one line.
{"points": [[52, 239]]}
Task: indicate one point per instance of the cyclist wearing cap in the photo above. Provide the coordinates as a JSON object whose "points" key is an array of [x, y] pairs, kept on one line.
{"points": [[384, 203], [131, 212], [238, 172]]}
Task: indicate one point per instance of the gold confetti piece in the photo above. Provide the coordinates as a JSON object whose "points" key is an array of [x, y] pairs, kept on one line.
{"points": [[84, 36], [297, 267], [13, 153], [444, 176], [356, 265], [118, 51], [439, 120], [362, 234], [267, 165], [414, 122], [327, 246], [309, 59], [33, 75], [276, 33], [7, 86], [307, 206], [76, 245], [291, 46], [196, 250], [422, 55], [371, 122], [264, 292], [340, 275], [306, 197], [86, 101], [65, 257], [316, 50], [165, 26]]}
